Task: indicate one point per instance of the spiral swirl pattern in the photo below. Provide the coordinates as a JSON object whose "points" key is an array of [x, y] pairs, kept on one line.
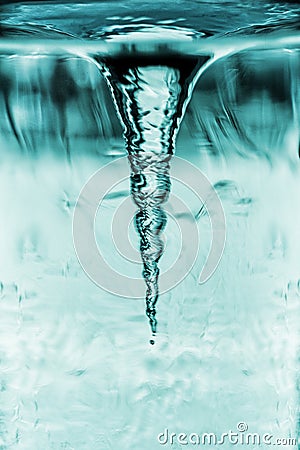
{"points": [[150, 187]]}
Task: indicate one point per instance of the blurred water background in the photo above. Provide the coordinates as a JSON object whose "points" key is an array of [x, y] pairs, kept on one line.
{"points": [[76, 369]]}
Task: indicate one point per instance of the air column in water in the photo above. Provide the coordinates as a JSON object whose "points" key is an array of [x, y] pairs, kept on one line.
{"points": [[150, 94]]}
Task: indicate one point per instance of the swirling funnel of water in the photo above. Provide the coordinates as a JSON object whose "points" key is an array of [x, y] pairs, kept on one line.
{"points": [[151, 92]]}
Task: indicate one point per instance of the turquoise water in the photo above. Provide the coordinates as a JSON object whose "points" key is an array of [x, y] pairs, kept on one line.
{"points": [[76, 367]]}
